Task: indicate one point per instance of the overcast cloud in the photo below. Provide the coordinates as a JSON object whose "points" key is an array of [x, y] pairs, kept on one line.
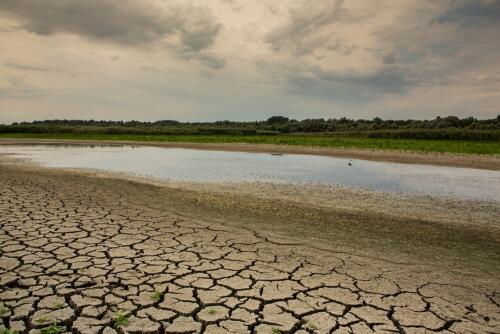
{"points": [[243, 60]]}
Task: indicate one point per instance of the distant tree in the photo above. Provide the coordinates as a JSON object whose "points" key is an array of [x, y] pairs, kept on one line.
{"points": [[166, 122], [449, 127], [277, 120]]}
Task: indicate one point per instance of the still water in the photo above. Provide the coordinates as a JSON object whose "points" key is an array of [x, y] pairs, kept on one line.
{"points": [[217, 166]]}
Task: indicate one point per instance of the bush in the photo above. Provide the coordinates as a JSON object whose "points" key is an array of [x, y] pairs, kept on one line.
{"points": [[451, 127]]}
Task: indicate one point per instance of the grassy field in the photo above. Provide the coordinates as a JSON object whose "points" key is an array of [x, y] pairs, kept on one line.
{"points": [[422, 145]]}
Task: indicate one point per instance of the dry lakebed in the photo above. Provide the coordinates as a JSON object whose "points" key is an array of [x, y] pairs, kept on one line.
{"points": [[89, 249]]}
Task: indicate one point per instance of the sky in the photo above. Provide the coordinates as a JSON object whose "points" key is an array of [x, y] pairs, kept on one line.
{"points": [[212, 60]]}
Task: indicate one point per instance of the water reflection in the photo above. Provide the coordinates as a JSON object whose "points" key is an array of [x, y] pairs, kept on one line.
{"points": [[217, 166]]}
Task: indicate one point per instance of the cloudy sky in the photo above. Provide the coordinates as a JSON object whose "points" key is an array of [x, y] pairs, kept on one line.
{"points": [[248, 59]]}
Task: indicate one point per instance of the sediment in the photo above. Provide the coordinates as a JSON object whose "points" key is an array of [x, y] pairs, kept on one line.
{"points": [[96, 255]]}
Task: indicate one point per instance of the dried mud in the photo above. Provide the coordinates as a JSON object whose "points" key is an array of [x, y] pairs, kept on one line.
{"points": [[94, 254]]}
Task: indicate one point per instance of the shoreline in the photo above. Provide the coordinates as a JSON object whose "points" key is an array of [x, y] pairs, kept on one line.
{"points": [[487, 162], [389, 227], [73, 240]]}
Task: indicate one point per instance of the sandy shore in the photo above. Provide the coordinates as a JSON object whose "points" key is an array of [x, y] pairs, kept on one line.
{"points": [[490, 162]]}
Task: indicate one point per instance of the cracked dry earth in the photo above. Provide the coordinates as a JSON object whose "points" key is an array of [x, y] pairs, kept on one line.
{"points": [[83, 259]]}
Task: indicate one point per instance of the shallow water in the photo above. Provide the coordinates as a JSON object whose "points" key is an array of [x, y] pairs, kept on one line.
{"points": [[218, 166]]}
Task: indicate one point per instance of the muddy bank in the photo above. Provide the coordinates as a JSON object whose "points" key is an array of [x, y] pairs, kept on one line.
{"points": [[442, 232], [489, 162], [87, 254]]}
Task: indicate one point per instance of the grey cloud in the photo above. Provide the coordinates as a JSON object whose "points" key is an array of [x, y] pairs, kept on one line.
{"points": [[390, 59], [37, 68], [14, 93], [342, 46], [311, 29], [149, 68], [212, 60], [317, 56], [199, 32], [473, 12], [303, 24], [27, 67], [311, 80], [207, 58], [408, 57], [13, 87], [387, 80], [456, 50], [125, 22], [233, 4], [338, 91]]}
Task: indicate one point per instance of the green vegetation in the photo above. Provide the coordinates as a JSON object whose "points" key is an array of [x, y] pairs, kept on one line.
{"points": [[211, 311], [3, 310], [4, 330], [157, 296], [276, 330], [53, 329], [120, 319], [450, 127], [310, 325], [448, 134], [59, 305], [42, 319], [424, 145]]}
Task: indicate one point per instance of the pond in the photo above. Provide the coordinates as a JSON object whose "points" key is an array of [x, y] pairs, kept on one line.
{"points": [[219, 166]]}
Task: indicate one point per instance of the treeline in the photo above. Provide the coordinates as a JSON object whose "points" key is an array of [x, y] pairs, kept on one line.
{"points": [[450, 127]]}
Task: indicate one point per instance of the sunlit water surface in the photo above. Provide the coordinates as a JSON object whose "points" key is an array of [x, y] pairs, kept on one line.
{"points": [[217, 166]]}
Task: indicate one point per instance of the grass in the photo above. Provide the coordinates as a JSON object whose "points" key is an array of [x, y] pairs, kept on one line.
{"points": [[120, 319], [53, 329], [4, 330], [310, 325], [422, 145], [3, 310], [275, 330], [59, 305], [211, 311], [42, 319], [157, 296]]}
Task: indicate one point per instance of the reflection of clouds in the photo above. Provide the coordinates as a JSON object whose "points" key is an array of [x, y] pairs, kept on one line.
{"points": [[461, 182], [217, 166]]}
